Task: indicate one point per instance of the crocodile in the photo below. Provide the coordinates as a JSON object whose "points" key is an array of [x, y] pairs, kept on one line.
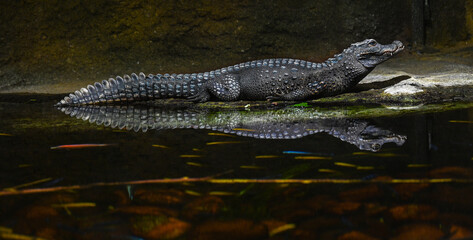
{"points": [[268, 79], [279, 124]]}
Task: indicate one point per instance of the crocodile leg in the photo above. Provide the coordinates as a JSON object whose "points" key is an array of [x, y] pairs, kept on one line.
{"points": [[298, 94], [226, 88]]}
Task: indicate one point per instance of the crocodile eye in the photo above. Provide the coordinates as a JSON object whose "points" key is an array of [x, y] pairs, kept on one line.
{"points": [[372, 43], [376, 146]]}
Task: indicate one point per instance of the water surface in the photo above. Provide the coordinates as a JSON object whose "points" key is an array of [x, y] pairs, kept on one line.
{"points": [[321, 177]]}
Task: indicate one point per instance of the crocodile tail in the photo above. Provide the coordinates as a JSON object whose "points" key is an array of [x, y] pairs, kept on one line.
{"points": [[137, 117], [136, 88]]}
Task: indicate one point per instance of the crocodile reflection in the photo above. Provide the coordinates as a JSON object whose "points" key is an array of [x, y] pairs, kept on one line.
{"points": [[281, 124]]}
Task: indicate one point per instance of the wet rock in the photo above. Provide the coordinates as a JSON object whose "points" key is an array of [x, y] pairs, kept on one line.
{"points": [[355, 235], [166, 197], [312, 228], [374, 208], [291, 211], [403, 89], [229, 230], [419, 232], [122, 198], [147, 210], [204, 206], [383, 178], [343, 207], [56, 198], [276, 227], [41, 212], [304, 234], [47, 233], [39, 221], [273, 224], [413, 212], [375, 226], [460, 219], [159, 227], [362, 194], [459, 233], [318, 202], [406, 191], [450, 195], [328, 204], [451, 172]]}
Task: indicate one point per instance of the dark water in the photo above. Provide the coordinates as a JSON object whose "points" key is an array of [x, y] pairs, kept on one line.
{"points": [[404, 176]]}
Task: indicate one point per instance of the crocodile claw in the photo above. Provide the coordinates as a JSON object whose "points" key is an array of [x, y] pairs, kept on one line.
{"points": [[273, 98], [200, 97]]}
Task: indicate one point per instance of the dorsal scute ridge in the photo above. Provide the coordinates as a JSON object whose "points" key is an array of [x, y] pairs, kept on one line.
{"points": [[108, 89]]}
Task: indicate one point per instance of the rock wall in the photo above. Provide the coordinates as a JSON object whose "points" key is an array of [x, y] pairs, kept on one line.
{"points": [[75, 42], [447, 22]]}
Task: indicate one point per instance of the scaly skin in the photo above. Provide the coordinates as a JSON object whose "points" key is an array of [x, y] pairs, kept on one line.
{"points": [[272, 79], [270, 125]]}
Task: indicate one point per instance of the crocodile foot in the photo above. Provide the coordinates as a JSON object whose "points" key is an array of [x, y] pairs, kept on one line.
{"points": [[201, 97]]}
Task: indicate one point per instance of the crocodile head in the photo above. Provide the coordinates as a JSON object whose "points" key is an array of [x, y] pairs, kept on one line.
{"points": [[370, 53], [371, 138]]}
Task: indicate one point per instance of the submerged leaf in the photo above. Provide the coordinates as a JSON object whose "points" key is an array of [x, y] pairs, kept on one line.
{"points": [[282, 229], [251, 167], [342, 164], [220, 193], [24, 165], [243, 129], [28, 184], [5, 229], [419, 165], [10, 235], [221, 134], [193, 193], [194, 164], [225, 142], [460, 121], [74, 205], [312, 158], [190, 156], [364, 168], [159, 146], [84, 145], [267, 156]]}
